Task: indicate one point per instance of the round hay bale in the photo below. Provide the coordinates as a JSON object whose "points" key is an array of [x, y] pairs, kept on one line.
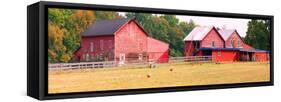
{"points": [[148, 75], [171, 69]]}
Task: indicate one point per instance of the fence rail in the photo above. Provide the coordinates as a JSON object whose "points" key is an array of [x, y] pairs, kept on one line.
{"points": [[82, 65], [192, 59], [106, 64]]}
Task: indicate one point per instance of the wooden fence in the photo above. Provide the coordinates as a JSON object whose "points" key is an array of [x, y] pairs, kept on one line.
{"points": [[82, 65], [107, 64], [192, 59]]}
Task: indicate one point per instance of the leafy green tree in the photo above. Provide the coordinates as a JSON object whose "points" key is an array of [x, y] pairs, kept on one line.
{"points": [[173, 21], [258, 34]]}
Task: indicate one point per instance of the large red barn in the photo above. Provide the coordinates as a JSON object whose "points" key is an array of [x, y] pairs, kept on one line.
{"points": [[223, 45], [120, 40]]}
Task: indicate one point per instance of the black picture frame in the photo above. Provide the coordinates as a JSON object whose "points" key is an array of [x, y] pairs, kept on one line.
{"points": [[37, 64]]}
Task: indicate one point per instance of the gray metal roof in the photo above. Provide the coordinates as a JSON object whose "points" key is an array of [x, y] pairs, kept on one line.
{"points": [[105, 27], [198, 33], [225, 33]]}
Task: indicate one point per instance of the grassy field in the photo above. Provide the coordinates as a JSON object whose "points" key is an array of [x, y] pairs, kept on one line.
{"points": [[165, 75]]}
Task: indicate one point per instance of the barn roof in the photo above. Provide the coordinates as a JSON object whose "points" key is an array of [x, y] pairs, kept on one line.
{"points": [[225, 33], [105, 27], [198, 33], [155, 45]]}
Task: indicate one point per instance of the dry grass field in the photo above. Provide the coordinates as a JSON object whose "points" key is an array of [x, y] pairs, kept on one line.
{"points": [[164, 75]]}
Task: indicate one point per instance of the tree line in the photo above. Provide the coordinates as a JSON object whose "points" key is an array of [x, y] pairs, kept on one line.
{"points": [[66, 25]]}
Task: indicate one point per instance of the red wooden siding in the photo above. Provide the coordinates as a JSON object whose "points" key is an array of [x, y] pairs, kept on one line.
{"points": [[225, 55], [212, 36], [157, 50], [188, 48], [261, 56], [96, 46], [234, 41], [130, 39]]}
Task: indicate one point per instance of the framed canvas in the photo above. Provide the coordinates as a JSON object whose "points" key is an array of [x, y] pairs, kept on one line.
{"points": [[82, 50]]}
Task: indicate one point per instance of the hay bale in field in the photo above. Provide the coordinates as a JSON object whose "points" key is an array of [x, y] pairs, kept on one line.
{"points": [[171, 69], [148, 75]]}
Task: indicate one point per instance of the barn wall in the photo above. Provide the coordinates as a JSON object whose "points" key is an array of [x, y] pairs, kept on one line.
{"points": [[261, 56], [213, 35], [188, 48], [157, 50], [130, 39], [246, 46], [103, 46], [226, 55], [235, 37], [160, 57]]}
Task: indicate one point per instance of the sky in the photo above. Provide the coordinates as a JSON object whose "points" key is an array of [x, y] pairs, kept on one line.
{"points": [[229, 23]]}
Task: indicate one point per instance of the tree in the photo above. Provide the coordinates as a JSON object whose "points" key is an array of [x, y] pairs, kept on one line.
{"points": [[101, 15], [166, 28], [258, 34], [64, 28], [173, 21]]}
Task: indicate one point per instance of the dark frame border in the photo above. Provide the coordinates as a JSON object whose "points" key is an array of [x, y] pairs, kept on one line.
{"points": [[43, 40]]}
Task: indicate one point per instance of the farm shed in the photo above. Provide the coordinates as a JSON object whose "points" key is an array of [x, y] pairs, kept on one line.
{"points": [[261, 55], [223, 45], [223, 54], [157, 50], [120, 40]]}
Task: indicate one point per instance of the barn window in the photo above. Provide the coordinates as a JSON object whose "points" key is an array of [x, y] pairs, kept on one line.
{"points": [[238, 43], [91, 47], [213, 44], [110, 44], [231, 43]]}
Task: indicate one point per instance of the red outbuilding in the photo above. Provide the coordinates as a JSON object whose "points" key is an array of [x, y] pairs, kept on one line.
{"points": [[157, 50], [202, 37], [120, 40], [223, 45]]}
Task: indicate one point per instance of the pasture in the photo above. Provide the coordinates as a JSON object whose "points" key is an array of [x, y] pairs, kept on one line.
{"points": [[164, 75]]}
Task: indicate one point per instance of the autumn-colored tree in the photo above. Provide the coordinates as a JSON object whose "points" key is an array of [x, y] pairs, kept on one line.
{"points": [[64, 30]]}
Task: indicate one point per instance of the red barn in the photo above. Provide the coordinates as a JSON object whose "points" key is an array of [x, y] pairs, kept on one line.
{"points": [[226, 45], [120, 40], [246, 52], [202, 37]]}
